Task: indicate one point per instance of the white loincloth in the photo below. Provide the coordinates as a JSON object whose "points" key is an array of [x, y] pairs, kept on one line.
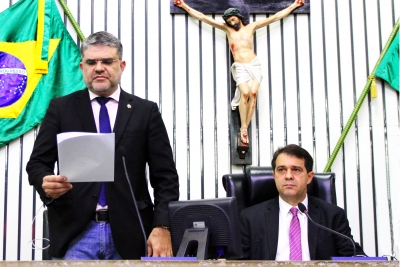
{"points": [[242, 73]]}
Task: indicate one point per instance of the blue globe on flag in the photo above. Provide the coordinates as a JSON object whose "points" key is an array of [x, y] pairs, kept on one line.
{"points": [[13, 79]]}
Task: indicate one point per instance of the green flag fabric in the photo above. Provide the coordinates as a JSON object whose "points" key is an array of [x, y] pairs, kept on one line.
{"points": [[38, 61], [388, 69]]}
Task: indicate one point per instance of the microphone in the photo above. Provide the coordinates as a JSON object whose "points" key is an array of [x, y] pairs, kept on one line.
{"points": [[303, 209], [123, 153]]}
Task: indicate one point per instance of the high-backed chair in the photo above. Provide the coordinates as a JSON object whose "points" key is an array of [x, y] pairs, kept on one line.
{"points": [[257, 185]]}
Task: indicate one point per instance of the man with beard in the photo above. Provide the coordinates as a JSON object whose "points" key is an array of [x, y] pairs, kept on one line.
{"points": [[246, 70], [98, 221]]}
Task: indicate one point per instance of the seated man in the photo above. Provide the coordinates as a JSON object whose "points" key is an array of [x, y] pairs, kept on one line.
{"points": [[271, 230]]}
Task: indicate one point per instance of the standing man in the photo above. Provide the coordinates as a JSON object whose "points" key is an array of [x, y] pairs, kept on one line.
{"points": [[246, 70], [81, 225], [275, 230]]}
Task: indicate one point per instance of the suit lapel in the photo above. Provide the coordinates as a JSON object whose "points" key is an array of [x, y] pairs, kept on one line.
{"points": [[125, 109], [272, 224], [313, 230], [85, 112]]}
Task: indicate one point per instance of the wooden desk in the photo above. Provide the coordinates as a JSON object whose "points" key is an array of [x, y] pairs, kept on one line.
{"points": [[219, 263]]}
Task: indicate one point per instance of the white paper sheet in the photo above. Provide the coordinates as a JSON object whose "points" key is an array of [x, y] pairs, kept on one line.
{"points": [[86, 157]]}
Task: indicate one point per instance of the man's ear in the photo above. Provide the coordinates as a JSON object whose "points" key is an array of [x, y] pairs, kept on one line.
{"points": [[310, 176], [123, 65]]}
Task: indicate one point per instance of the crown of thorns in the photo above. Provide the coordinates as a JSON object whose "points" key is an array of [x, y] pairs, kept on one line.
{"points": [[232, 12]]}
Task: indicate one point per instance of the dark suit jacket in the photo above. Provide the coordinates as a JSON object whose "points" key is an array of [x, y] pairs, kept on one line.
{"points": [[260, 228], [138, 128]]}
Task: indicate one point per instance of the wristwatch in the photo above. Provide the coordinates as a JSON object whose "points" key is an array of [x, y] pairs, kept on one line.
{"points": [[163, 227]]}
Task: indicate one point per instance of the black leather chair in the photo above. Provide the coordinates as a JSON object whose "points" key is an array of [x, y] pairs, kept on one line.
{"points": [[257, 185]]}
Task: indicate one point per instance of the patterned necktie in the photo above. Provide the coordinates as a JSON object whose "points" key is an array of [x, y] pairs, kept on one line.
{"points": [[295, 237], [105, 127]]}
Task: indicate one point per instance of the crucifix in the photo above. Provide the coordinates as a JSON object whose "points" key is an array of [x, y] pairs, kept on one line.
{"points": [[246, 69]]}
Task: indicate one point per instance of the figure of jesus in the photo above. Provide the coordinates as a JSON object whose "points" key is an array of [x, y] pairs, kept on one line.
{"points": [[246, 70]]}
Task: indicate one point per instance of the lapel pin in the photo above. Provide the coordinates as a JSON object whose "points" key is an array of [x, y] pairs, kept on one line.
{"points": [[129, 106]]}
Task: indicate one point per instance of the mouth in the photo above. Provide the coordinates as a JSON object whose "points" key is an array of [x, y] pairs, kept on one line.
{"points": [[289, 185], [100, 78]]}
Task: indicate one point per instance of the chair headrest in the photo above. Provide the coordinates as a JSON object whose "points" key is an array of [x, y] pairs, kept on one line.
{"points": [[323, 187], [261, 184]]}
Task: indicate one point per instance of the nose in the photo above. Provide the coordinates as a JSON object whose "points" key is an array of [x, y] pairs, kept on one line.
{"points": [[99, 66], [289, 175]]}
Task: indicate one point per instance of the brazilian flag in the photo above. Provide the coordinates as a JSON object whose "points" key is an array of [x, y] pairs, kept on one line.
{"points": [[38, 61], [388, 69]]}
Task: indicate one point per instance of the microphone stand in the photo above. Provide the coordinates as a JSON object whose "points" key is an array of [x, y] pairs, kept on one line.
{"points": [[303, 209], [135, 204]]}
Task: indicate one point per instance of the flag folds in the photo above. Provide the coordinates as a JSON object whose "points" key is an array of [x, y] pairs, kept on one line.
{"points": [[38, 61], [388, 69]]}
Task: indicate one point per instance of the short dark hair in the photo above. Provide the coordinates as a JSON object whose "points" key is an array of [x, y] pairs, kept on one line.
{"points": [[298, 152], [102, 38]]}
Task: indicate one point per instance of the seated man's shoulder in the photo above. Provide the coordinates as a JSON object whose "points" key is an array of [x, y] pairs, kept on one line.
{"points": [[324, 205], [257, 209]]}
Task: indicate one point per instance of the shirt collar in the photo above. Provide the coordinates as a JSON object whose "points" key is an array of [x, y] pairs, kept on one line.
{"points": [[285, 207], [114, 96]]}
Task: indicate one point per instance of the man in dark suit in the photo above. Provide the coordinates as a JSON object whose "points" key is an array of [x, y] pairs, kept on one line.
{"points": [[266, 228], [81, 227]]}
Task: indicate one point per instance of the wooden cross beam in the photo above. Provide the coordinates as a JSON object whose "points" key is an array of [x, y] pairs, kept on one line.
{"points": [[245, 6]]}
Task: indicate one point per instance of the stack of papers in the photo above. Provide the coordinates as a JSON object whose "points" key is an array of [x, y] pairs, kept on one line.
{"points": [[86, 157]]}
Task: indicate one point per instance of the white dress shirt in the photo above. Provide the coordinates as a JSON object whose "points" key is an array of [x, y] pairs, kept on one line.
{"points": [[285, 216], [112, 108]]}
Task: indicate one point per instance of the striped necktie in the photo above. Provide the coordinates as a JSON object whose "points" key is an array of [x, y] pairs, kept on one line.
{"points": [[295, 237]]}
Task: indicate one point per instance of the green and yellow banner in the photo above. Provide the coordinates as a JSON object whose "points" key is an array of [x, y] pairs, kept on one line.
{"points": [[38, 61], [388, 69]]}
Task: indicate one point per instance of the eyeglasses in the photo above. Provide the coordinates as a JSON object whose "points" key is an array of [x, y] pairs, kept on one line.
{"points": [[104, 61]]}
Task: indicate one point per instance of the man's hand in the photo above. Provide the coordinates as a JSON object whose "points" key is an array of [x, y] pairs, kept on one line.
{"points": [[55, 185], [159, 243], [178, 3], [299, 2]]}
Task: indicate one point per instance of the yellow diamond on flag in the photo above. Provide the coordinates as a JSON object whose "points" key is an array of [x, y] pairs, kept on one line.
{"points": [[22, 51], [39, 60]]}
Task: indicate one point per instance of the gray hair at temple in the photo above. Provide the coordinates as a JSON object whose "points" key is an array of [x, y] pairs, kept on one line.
{"points": [[102, 38], [233, 12]]}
